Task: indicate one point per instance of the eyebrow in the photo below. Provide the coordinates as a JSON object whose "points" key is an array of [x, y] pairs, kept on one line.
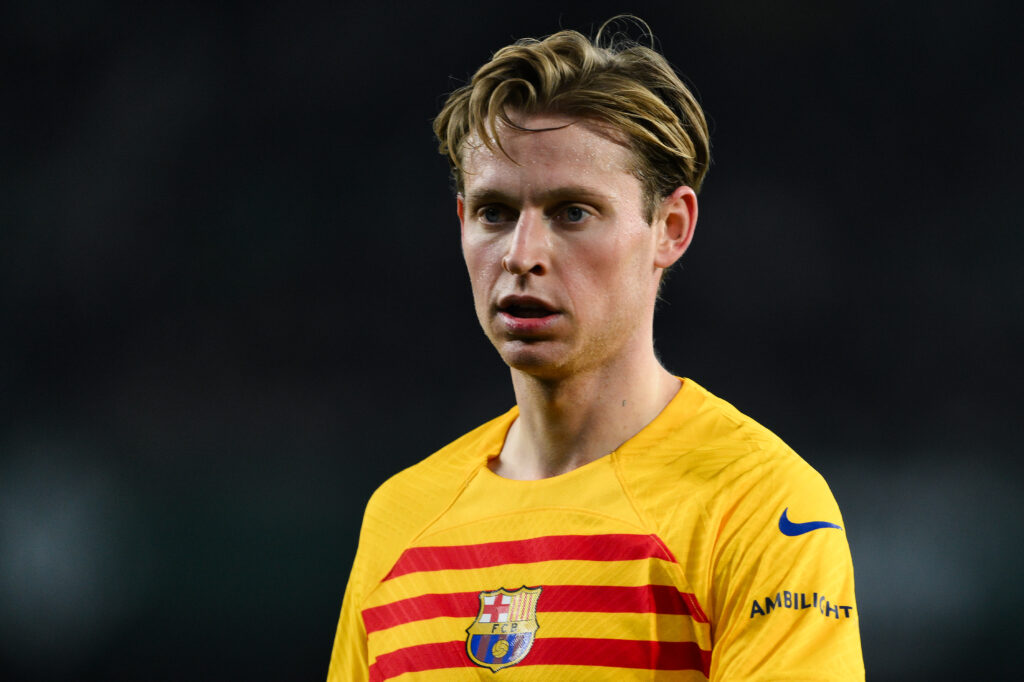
{"points": [[565, 193]]}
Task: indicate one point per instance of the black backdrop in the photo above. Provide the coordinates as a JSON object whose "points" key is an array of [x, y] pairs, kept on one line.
{"points": [[232, 302]]}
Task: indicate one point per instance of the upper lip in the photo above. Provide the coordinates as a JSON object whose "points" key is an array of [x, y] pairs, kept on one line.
{"points": [[517, 301]]}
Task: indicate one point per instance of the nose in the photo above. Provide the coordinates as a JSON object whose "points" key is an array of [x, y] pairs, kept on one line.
{"points": [[528, 249]]}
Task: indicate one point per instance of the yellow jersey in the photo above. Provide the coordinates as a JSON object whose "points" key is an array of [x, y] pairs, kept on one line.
{"points": [[702, 548]]}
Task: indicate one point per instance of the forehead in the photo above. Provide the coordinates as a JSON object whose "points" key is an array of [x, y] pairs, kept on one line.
{"points": [[548, 149]]}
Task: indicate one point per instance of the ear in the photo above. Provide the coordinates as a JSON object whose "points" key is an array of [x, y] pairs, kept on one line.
{"points": [[460, 208], [676, 220]]}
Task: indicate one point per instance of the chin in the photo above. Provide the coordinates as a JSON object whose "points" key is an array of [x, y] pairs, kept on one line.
{"points": [[529, 359], [535, 362]]}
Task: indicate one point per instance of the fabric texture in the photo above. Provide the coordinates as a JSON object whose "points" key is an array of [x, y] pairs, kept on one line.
{"points": [[702, 548]]}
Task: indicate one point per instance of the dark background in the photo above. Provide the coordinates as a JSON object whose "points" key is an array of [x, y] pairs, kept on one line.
{"points": [[232, 303]]}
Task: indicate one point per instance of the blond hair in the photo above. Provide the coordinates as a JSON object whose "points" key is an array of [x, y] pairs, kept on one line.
{"points": [[627, 86]]}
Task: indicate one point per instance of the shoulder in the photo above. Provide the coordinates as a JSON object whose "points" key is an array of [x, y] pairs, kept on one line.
{"points": [[703, 442], [444, 472], [703, 450], [741, 458], [408, 502]]}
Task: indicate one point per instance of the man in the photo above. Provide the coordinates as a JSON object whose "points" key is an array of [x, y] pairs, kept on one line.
{"points": [[619, 523]]}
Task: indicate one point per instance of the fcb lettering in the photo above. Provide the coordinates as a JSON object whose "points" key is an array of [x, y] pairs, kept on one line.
{"points": [[799, 601]]}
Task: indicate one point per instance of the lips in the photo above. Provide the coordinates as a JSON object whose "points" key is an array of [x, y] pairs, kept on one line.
{"points": [[525, 307], [527, 317]]}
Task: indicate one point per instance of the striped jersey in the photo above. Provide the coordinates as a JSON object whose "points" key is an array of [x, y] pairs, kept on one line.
{"points": [[702, 548]]}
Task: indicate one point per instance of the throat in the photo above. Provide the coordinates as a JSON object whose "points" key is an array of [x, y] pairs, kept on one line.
{"points": [[565, 425]]}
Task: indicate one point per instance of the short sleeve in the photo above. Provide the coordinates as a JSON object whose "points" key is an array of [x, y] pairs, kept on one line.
{"points": [[349, 659], [782, 591]]}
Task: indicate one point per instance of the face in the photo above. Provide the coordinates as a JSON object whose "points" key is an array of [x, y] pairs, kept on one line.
{"points": [[563, 266]]}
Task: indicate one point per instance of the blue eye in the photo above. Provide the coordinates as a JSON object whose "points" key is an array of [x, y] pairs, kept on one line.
{"points": [[493, 214], [575, 214]]}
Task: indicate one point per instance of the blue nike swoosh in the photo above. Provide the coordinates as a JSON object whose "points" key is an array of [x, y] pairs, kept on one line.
{"points": [[793, 529]]}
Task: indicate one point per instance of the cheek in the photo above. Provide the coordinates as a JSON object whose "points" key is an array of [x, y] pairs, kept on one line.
{"points": [[611, 263], [479, 265], [613, 276], [634, 253], [471, 251]]}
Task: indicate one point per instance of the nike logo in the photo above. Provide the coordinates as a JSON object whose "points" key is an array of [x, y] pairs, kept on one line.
{"points": [[793, 529]]}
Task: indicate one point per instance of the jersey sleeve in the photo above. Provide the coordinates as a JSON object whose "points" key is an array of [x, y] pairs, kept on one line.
{"points": [[349, 658], [783, 604]]}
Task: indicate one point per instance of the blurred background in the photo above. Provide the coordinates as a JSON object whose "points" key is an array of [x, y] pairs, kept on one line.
{"points": [[232, 303]]}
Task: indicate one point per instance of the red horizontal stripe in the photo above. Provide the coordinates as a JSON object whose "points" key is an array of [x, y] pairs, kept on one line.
{"points": [[554, 598], [609, 547], [421, 657], [424, 607], [614, 653], [619, 653]]}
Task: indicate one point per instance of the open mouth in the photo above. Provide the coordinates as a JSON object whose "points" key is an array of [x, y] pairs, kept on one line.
{"points": [[526, 313], [527, 310]]}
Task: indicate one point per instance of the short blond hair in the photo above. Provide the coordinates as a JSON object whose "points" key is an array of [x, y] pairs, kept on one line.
{"points": [[624, 85]]}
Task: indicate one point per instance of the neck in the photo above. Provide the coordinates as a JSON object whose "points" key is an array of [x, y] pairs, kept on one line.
{"points": [[568, 422]]}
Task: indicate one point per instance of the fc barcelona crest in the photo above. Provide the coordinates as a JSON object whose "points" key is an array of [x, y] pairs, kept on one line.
{"points": [[504, 629]]}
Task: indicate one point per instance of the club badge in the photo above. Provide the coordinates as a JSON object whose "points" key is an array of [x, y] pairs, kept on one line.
{"points": [[504, 629]]}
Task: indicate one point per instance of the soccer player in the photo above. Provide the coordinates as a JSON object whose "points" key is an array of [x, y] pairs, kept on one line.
{"points": [[618, 523]]}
